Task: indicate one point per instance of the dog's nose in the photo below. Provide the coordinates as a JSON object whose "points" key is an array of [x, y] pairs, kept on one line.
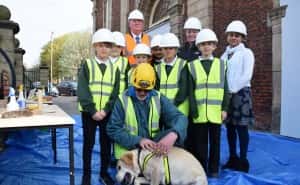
{"points": [[127, 179]]}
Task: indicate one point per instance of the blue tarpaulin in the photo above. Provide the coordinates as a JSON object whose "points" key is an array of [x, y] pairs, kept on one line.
{"points": [[28, 159]]}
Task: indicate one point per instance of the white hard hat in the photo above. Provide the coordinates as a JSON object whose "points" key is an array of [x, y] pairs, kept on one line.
{"points": [[136, 14], [102, 35], [155, 41], [192, 23], [206, 35], [237, 26], [119, 38], [141, 49], [169, 40]]}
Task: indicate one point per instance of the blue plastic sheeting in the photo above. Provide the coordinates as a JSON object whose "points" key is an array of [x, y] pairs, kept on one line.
{"points": [[28, 160]]}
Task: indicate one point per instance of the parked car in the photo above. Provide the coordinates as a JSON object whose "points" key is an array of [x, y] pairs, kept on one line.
{"points": [[67, 88]]}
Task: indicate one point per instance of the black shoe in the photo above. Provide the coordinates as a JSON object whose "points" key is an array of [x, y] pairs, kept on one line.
{"points": [[86, 180], [232, 163], [243, 165], [105, 179]]}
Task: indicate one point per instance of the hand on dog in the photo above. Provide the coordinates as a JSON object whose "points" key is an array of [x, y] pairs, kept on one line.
{"points": [[147, 144], [166, 143]]}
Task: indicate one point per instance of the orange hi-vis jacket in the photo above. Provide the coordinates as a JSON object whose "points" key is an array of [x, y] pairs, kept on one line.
{"points": [[130, 45]]}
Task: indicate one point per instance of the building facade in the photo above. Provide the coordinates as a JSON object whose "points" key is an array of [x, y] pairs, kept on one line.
{"points": [[262, 18]]}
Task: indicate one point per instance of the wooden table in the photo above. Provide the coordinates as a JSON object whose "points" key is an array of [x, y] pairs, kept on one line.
{"points": [[52, 117]]}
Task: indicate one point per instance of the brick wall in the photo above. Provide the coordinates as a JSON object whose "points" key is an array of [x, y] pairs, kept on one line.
{"points": [[254, 14]]}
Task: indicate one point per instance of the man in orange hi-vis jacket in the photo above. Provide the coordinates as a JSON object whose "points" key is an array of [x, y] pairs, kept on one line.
{"points": [[135, 35]]}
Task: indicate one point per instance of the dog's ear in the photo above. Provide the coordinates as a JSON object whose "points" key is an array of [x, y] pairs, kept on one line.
{"points": [[127, 158]]}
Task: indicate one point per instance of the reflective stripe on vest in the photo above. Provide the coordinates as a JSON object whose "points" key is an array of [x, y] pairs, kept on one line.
{"points": [[169, 84], [165, 163], [209, 90], [122, 63], [100, 86], [130, 45], [131, 125]]}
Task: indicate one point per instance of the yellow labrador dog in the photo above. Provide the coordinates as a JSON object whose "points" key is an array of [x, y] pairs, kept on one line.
{"points": [[142, 167]]}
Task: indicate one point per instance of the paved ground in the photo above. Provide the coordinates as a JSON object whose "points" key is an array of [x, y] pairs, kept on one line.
{"points": [[67, 103]]}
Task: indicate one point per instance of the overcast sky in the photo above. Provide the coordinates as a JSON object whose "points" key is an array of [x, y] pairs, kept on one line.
{"points": [[38, 18]]}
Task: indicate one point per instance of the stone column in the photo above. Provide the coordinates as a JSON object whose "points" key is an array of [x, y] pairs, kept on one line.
{"points": [[176, 14], [275, 16], [19, 69]]}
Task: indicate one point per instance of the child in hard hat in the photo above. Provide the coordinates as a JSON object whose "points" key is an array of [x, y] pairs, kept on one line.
{"points": [[240, 61], [118, 60], [156, 50], [208, 103], [172, 74], [98, 88], [141, 54]]}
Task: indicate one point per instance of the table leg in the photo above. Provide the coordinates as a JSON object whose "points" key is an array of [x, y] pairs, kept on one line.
{"points": [[71, 155], [53, 135]]}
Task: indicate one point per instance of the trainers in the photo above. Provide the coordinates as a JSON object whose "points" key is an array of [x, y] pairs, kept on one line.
{"points": [[105, 179], [213, 175], [232, 163]]}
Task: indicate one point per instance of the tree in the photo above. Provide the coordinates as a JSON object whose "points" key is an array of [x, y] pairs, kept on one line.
{"points": [[75, 49], [68, 52]]}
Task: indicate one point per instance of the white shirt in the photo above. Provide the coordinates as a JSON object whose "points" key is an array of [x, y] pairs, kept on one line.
{"points": [[113, 59], [239, 67], [102, 61], [209, 58], [170, 63], [134, 36]]}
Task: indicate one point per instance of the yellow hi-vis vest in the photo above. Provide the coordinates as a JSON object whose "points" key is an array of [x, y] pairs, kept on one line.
{"points": [[100, 85], [169, 85], [209, 90], [131, 124], [122, 63]]}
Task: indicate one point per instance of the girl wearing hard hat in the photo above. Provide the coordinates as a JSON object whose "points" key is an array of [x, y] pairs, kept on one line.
{"points": [[240, 62], [172, 73], [118, 60], [98, 88], [208, 95], [141, 54], [189, 50]]}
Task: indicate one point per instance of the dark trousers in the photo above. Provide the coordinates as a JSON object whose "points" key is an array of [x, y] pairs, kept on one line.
{"points": [[89, 133], [242, 132], [201, 136]]}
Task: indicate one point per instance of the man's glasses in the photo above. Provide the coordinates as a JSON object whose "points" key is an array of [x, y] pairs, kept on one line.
{"points": [[142, 90]]}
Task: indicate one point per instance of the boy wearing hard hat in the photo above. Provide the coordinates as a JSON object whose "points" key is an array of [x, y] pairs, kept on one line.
{"points": [[136, 34], [172, 74], [189, 50], [98, 88], [141, 54], [240, 61], [208, 103], [156, 50], [135, 119], [119, 60]]}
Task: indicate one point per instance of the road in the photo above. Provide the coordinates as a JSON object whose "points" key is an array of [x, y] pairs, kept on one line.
{"points": [[67, 103]]}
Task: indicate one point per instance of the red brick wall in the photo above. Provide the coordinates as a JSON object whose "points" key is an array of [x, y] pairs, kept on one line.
{"points": [[254, 14], [100, 14]]}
